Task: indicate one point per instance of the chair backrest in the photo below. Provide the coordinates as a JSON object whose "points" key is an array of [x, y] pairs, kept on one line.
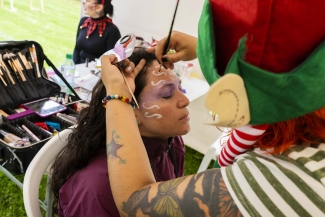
{"points": [[214, 150], [36, 170]]}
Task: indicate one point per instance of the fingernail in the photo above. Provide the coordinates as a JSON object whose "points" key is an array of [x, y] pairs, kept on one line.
{"points": [[164, 59], [129, 68]]}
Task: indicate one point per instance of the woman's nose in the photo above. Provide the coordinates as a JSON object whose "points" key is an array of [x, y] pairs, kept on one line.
{"points": [[183, 101]]}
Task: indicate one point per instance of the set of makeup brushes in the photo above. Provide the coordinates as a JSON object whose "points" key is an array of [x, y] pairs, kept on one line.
{"points": [[15, 67]]}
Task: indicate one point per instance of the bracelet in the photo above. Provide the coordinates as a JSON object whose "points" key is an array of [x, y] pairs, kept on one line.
{"points": [[123, 98]]}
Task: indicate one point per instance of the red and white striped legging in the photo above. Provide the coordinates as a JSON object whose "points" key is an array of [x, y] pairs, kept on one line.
{"points": [[240, 141]]}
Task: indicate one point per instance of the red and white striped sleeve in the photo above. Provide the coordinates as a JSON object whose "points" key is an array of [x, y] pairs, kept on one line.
{"points": [[240, 141]]}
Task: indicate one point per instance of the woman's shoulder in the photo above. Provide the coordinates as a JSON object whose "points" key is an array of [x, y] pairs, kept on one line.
{"points": [[112, 27], [82, 20], [89, 180], [89, 187], [93, 174]]}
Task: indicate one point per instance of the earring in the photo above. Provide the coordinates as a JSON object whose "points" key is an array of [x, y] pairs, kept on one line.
{"points": [[97, 12], [138, 122]]}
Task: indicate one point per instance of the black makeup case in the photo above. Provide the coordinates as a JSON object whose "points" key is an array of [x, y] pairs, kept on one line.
{"points": [[21, 82]]}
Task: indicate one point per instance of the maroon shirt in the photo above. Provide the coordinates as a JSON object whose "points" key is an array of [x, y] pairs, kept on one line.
{"points": [[88, 193]]}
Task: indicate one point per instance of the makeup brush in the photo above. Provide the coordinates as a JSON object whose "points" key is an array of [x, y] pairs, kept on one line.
{"points": [[4, 75], [24, 60], [19, 69], [169, 34], [3, 81], [6, 70], [14, 65], [33, 54]]}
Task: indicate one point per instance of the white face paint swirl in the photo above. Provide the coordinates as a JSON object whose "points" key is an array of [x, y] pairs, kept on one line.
{"points": [[158, 116], [158, 73], [159, 82], [150, 107]]}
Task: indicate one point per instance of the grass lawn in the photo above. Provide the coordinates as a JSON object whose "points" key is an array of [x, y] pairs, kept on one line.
{"points": [[55, 31]]}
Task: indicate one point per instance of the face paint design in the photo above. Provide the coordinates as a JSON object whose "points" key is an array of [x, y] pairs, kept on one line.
{"points": [[159, 82], [158, 73], [158, 116], [151, 107]]}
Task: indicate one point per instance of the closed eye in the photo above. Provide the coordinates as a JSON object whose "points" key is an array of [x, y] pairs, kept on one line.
{"points": [[167, 97]]}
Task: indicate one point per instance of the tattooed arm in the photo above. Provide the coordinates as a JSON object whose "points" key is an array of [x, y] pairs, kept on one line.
{"points": [[204, 194], [133, 185]]}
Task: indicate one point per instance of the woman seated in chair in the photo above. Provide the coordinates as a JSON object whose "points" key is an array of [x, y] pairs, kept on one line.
{"points": [[80, 178]]}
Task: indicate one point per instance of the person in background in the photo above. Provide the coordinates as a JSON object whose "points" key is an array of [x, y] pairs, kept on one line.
{"points": [[96, 34], [80, 178]]}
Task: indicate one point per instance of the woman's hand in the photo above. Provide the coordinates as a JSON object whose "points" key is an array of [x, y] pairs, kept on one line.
{"points": [[112, 76], [183, 44]]}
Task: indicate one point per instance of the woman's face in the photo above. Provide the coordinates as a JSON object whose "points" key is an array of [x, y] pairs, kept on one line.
{"points": [[162, 103], [90, 7]]}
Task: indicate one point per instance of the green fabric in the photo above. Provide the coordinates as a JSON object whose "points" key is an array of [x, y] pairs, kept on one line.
{"points": [[205, 45], [241, 196], [268, 203], [281, 189], [272, 97], [295, 178], [279, 97]]}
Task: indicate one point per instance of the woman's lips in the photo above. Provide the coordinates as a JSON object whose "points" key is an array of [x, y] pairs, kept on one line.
{"points": [[186, 117]]}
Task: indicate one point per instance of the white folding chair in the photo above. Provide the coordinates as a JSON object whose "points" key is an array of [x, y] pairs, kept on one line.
{"points": [[41, 164], [214, 150]]}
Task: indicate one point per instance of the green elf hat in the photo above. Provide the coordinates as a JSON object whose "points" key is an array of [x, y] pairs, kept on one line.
{"points": [[264, 59]]}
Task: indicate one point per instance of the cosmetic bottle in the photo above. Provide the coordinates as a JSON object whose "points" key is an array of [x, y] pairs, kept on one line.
{"points": [[11, 139], [68, 69]]}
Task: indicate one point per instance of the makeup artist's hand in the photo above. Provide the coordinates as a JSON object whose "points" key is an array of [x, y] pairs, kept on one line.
{"points": [[183, 44], [112, 76]]}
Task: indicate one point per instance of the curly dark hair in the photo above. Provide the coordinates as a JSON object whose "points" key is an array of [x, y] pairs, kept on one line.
{"points": [[89, 136]]}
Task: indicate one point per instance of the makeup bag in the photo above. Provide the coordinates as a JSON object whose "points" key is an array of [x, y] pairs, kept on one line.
{"points": [[22, 80]]}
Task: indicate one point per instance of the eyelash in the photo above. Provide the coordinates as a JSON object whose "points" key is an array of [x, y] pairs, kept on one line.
{"points": [[170, 95]]}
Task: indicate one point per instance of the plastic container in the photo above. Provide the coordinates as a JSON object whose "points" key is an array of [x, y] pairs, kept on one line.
{"points": [[68, 69], [183, 69]]}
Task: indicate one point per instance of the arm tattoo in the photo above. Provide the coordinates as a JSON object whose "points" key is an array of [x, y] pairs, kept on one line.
{"points": [[112, 148], [226, 204], [213, 200]]}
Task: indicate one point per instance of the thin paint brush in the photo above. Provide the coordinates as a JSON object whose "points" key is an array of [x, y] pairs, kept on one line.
{"points": [[169, 34]]}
